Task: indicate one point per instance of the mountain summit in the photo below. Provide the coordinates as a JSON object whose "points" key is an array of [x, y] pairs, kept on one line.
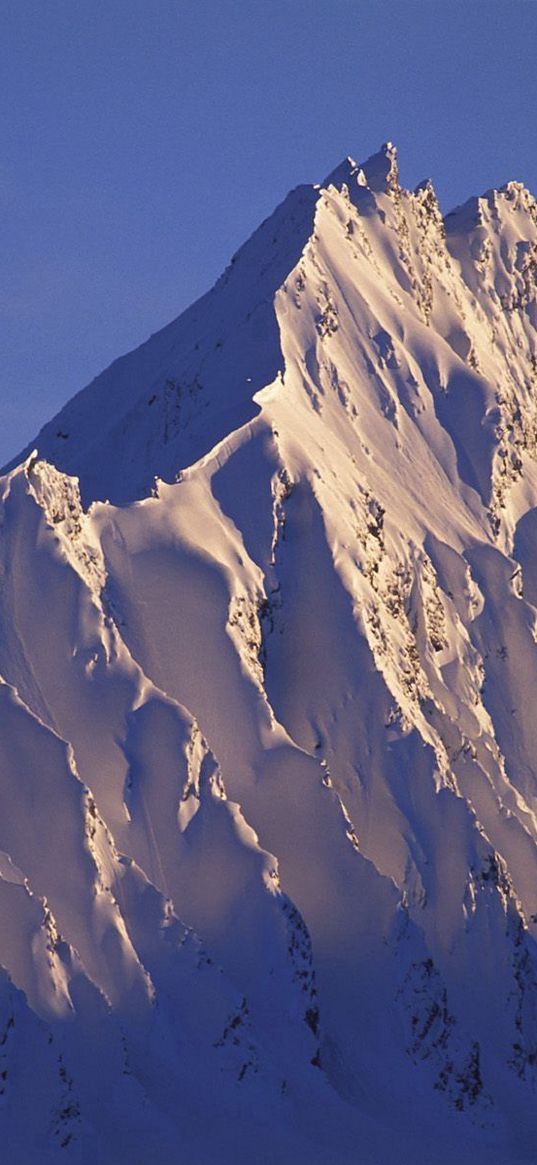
{"points": [[268, 789]]}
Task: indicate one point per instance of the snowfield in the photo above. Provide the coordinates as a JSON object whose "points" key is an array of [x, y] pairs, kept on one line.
{"points": [[268, 759]]}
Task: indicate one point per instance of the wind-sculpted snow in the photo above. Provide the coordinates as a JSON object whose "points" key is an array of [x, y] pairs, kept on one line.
{"points": [[268, 793]]}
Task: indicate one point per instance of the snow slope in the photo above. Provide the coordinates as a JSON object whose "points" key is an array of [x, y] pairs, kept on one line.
{"points": [[268, 790]]}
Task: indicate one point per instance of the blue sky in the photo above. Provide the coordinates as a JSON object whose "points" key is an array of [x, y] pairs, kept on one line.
{"points": [[144, 140]]}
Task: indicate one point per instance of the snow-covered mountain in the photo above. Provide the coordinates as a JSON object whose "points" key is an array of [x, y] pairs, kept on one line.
{"points": [[268, 760]]}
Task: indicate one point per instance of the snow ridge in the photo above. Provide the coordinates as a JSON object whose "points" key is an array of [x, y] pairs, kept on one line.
{"points": [[268, 796]]}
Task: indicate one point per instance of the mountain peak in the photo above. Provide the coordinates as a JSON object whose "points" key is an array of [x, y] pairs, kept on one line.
{"points": [[347, 172], [381, 169], [380, 172], [282, 699]]}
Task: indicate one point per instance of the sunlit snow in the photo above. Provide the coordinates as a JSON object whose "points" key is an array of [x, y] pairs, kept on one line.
{"points": [[268, 776]]}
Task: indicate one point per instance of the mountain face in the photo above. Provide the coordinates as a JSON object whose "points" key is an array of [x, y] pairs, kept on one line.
{"points": [[268, 761]]}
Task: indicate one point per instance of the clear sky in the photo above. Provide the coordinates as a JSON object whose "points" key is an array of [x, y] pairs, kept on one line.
{"points": [[144, 140]]}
